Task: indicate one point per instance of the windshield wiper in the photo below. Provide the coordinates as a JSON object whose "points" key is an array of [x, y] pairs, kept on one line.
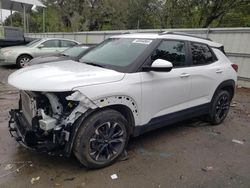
{"points": [[94, 64]]}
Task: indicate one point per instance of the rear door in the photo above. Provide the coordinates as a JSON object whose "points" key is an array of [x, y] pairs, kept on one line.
{"points": [[206, 73], [65, 44]]}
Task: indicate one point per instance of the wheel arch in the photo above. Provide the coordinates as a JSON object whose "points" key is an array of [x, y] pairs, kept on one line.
{"points": [[126, 112], [228, 85], [123, 109], [22, 55]]}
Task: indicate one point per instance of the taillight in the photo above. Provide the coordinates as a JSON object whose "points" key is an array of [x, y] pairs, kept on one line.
{"points": [[235, 67]]}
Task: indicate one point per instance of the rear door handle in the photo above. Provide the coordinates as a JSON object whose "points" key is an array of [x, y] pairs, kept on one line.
{"points": [[184, 75], [218, 71]]}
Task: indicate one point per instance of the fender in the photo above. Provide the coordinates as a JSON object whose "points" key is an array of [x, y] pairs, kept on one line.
{"points": [[100, 103]]}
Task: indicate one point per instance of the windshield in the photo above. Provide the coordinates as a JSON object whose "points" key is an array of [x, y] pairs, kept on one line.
{"points": [[33, 43], [119, 52], [75, 51]]}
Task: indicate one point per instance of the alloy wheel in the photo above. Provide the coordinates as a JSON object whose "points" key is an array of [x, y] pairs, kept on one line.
{"points": [[107, 141], [222, 107]]}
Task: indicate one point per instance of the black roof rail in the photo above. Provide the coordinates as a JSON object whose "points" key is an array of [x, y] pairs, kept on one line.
{"points": [[126, 32], [183, 34]]}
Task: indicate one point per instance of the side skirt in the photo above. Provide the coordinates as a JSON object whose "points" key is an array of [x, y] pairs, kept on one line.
{"points": [[172, 118]]}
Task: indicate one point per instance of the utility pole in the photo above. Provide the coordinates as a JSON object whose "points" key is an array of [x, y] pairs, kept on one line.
{"points": [[11, 21], [1, 16], [24, 18], [43, 20]]}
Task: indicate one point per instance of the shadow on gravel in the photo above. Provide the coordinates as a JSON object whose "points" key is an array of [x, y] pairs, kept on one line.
{"points": [[9, 67]]}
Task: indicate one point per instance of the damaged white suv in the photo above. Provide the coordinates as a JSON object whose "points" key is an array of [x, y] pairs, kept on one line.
{"points": [[125, 86]]}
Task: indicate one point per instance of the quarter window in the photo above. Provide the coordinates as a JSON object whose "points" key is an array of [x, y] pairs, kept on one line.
{"points": [[201, 54], [65, 43], [172, 51]]}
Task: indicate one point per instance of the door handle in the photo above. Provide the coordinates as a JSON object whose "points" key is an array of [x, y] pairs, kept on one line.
{"points": [[184, 75], [218, 71]]}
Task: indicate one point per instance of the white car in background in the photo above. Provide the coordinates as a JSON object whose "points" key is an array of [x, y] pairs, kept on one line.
{"points": [[21, 55], [127, 85]]}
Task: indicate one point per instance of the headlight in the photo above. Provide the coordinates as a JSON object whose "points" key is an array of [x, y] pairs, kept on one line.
{"points": [[7, 52]]}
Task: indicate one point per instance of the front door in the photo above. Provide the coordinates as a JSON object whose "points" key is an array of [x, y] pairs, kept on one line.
{"points": [[166, 92], [48, 47]]}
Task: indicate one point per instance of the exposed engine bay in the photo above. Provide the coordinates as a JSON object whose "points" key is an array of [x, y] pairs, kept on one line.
{"points": [[44, 120]]}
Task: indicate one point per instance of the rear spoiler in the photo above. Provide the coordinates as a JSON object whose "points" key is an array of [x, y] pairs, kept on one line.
{"points": [[221, 48]]}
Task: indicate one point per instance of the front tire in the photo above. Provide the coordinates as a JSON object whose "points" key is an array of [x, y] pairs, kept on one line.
{"points": [[101, 139], [23, 60], [220, 107]]}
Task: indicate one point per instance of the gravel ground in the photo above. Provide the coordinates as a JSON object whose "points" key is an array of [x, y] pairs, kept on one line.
{"points": [[188, 154]]}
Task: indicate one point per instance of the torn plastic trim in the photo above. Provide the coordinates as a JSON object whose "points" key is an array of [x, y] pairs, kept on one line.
{"points": [[84, 104], [84, 101]]}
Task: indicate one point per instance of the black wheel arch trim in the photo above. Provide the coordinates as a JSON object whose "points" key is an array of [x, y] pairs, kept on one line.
{"points": [[73, 133], [224, 84]]}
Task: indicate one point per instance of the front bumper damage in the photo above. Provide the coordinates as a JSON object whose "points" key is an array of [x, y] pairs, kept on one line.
{"points": [[55, 141], [17, 127], [25, 135]]}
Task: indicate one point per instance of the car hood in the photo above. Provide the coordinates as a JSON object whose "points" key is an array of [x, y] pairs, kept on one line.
{"points": [[15, 48], [61, 76], [49, 59]]}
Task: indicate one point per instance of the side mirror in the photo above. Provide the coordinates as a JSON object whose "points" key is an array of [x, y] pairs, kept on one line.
{"points": [[40, 46], [159, 65]]}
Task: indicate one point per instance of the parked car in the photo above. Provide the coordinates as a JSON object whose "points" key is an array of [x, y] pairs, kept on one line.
{"points": [[73, 53], [125, 86], [13, 36], [21, 55]]}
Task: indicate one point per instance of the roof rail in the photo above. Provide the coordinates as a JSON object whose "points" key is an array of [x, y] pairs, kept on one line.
{"points": [[182, 34], [126, 32]]}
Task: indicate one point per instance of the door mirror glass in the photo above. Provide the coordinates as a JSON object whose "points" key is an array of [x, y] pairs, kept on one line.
{"points": [[160, 65]]}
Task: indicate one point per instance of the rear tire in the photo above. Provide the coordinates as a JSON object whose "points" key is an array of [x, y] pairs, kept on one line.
{"points": [[23, 60], [101, 139], [219, 107]]}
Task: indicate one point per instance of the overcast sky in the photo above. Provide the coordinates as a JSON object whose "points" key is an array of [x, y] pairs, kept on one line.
{"points": [[5, 14]]}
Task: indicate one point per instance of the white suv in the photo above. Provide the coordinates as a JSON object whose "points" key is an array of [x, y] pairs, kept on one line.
{"points": [[125, 86]]}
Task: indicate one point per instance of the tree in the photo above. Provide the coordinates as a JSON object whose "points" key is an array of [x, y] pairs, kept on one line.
{"points": [[91, 15], [17, 20]]}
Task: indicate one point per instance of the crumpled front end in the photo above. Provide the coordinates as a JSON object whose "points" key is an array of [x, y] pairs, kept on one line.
{"points": [[47, 122]]}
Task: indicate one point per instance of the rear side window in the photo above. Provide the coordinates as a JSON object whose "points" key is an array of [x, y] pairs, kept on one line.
{"points": [[66, 43], [51, 44], [201, 54], [172, 51]]}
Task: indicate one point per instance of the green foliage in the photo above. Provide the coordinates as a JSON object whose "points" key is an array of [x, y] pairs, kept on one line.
{"points": [[88, 15], [16, 20]]}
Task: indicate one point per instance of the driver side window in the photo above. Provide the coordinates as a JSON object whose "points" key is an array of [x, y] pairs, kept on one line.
{"points": [[172, 51]]}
